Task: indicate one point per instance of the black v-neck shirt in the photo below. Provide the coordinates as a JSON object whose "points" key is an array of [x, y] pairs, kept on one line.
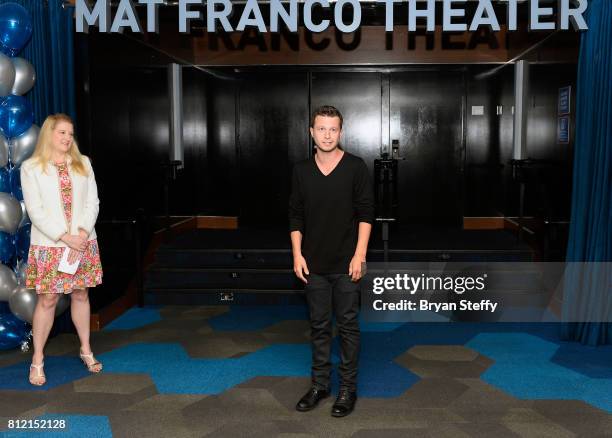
{"points": [[327, 211]]}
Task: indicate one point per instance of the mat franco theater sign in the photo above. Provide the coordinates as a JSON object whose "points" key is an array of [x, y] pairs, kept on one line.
{"points": [[218, 12], [252, 31]]}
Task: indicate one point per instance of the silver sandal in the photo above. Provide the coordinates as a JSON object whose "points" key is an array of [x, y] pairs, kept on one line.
{"points": [[90, 366], [39, 374]]}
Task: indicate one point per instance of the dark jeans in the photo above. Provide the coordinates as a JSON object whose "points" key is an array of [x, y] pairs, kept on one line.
{"points": [[325, 293]]}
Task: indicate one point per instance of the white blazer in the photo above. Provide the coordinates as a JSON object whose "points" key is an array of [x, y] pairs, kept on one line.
{"points": [[41, 193]]}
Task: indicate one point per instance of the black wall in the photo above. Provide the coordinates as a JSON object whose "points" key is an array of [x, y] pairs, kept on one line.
{"points": [[272, 134], [258, 123], [245, 128], [427, 117], [490, 187]]}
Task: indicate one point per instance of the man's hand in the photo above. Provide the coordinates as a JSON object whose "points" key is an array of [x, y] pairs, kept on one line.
{"points": [[300, 268], [355, 267]]}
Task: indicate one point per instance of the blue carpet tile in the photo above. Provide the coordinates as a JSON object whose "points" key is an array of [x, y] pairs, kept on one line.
{"points": [[64, 369], [174, 372], [134, 318], [523, 368], [257, 317]]}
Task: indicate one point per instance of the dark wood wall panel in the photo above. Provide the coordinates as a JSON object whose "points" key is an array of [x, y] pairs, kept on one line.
{"points": [[551, 189], [245, 129], [221, 181], [129, 139], [426, 117], [109, 138], [483, 158], [273, 135], [150, 135]]}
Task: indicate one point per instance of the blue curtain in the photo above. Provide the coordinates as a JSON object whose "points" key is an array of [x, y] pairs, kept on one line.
{"points": [[590, 238], [51, 52]]}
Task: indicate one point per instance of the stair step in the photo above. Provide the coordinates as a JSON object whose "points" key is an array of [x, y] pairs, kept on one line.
{"points": [[255, 265], [161, 277], [249, 258], [201, 296]]}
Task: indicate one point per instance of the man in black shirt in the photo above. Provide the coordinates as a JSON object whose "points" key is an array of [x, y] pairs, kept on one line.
{"points": [[331, 210]]}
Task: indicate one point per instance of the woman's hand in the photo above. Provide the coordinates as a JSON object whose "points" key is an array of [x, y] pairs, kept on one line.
{"points": [[75, 242], [73, 256]]}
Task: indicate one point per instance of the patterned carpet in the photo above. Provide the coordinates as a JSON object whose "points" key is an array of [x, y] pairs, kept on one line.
{"points": [[220, 371]]}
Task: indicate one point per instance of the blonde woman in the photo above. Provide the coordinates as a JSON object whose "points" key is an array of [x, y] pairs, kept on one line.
{"points": [[61, 198]]}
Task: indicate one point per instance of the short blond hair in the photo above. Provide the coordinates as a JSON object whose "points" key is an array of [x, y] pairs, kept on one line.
{"points": [[42, 153]]}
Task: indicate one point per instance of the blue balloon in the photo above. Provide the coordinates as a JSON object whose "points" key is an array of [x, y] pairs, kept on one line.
{"points": [[22, 242], [16, 115], [7, 248], [5, 180], [12, 332], [15, 28], [16, 183]]}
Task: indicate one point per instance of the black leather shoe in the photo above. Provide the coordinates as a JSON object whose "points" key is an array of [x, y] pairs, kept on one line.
{"points": [[311, 399], [344, 404]]}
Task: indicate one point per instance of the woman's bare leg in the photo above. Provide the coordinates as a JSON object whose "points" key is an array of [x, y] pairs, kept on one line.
{"points": [[81, 312], [44, 314]]}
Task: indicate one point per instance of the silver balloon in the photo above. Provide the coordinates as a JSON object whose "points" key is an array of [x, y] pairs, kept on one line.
{"points": [[62, 304], [25, 219], [10, 213], [8, 282], [7, 75], [4, 150], [22, 303], [25, 76], [23, 146]]}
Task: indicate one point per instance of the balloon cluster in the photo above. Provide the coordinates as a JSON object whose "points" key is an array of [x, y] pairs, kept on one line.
{"points": [[18, 136]]}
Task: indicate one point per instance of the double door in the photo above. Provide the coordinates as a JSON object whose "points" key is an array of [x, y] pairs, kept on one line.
{"points": [[422, 110]]}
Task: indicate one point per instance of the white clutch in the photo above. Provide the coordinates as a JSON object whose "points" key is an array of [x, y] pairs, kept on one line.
{"points": [[67, 267]]}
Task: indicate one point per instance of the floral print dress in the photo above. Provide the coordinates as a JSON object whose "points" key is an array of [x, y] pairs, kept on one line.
{"points": [[43, 261]]}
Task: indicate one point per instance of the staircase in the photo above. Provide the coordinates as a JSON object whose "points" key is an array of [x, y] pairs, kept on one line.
{"points": [[255, 266]]}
